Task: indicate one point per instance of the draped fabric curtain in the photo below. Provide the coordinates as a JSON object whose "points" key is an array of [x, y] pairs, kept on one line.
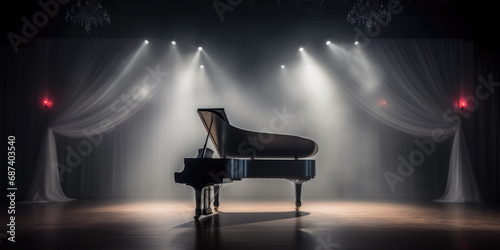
{"points": [[105, 82], [487, 122], [413, 85]]}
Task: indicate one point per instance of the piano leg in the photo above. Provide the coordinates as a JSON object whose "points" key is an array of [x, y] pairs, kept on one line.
{"points": [[298, 191], [216, 197], [197, 211]]}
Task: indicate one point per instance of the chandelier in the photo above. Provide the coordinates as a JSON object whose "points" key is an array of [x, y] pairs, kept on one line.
{"points": [[368, 13], [88, 13]]}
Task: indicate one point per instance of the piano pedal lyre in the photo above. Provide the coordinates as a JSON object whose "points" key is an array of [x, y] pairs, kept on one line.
{"points": [[202, 196], [204, 200], [207, 208]]}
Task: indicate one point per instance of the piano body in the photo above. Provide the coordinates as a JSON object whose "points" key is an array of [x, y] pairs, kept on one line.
{"points": [[244, 154]]}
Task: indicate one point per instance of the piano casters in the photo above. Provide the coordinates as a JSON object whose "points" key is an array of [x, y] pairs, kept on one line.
{"points": [[298, 191]]}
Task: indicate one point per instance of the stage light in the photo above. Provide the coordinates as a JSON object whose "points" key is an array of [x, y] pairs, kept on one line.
{"points": [[328, 42], [461, 104], [356, 43], [301, 49], [174, 43], [282, 66], [381, 103], [47, 104], [200, 48], [146, 41], [201, 67]]}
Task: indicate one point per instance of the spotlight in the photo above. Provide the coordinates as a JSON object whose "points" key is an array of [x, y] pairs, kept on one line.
{"points": [[200, 48], [146, 41], [328, 42], [356, 43], [282, 66], [201, 67], [174, 43], [301, 49]]}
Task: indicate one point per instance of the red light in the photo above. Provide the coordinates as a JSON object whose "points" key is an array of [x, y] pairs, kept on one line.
{"points": [[47, 104], [461, 104], [381, 103]]}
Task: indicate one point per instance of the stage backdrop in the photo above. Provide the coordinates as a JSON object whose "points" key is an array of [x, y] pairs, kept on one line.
{"points": [[124, 115]]}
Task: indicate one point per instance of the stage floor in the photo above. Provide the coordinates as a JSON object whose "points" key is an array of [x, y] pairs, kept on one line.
{"points": [[112, 224]]}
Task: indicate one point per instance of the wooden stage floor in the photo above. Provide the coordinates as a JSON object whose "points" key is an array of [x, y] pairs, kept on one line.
{"points": [[257, 225]]}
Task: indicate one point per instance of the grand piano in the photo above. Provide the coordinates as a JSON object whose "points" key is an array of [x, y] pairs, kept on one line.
{"points": [[244, 154]]}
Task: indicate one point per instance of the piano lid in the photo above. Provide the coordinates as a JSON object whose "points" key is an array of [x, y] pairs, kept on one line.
{"points": [[218, 111], [233, 142]]}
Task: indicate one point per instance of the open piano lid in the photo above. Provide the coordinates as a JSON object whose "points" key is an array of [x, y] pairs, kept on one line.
{"points": [[206, 118], [233, 142]]}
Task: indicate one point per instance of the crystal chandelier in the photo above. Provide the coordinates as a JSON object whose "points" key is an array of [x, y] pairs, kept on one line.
{"points": [[88, 13], [368, 13]]}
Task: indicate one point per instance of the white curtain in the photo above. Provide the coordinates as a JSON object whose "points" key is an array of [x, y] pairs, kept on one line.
{"points": [[105, 82], [461, 186], [412, 85]]}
